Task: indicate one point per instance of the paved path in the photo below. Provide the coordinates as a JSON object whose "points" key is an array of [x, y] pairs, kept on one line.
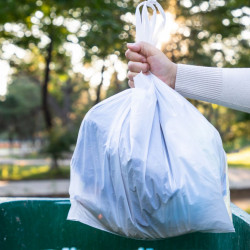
{"points": [[34, 188], [238, 179]]}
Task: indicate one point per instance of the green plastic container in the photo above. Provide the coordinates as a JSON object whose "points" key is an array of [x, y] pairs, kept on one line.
{"points": [[35, 223]]}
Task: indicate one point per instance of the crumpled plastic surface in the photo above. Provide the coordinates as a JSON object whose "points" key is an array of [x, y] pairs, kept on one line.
{"points": [[148, 165]]}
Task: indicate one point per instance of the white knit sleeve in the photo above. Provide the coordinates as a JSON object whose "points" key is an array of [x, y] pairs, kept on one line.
{"points": [[224, 86]]}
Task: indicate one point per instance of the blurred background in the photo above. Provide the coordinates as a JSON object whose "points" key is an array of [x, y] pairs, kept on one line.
{"points": [[58, 58]]}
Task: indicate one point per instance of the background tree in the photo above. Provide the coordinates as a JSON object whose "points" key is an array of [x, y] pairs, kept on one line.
{"points": [[20, 114], [44, 30], [214, 33], [210, 33]]}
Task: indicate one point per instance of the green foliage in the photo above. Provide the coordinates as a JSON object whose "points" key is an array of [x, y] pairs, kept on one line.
{"points": [[233, 126], [16, 173], [239, 158], [59, 142], [19, 111], [208, 29], [96, 26], [209, 34], [33, 26]]}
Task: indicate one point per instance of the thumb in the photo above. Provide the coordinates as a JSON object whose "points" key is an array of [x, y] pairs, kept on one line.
{"points": [[143, 48], [147, 49]]}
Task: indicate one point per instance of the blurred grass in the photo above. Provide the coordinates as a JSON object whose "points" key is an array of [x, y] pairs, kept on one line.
{"points": [[240, 159], [15, 172], [31, 156]]}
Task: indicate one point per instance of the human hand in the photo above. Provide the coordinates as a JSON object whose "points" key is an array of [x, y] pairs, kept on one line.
{"points": [[145, 57]]}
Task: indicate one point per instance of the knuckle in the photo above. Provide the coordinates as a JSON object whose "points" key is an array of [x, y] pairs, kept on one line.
{"points": [[138, 57], [127, 53], [131, 75], [141, 44], [130, 65], [131, 84], [144, 67], [142, 58]]}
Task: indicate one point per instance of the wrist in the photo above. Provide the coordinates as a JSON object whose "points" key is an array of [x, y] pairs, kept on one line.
{"points": [[173, 78], [171, 75]]}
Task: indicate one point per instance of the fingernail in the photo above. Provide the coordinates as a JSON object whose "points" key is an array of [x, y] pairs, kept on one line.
{"points": [[130, 44]]}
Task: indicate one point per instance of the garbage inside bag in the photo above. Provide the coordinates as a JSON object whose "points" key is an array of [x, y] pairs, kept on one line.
{"points": [[147, 164]]}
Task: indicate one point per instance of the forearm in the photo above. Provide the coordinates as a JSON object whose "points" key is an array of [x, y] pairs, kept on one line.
{"points": [[228, 87]]}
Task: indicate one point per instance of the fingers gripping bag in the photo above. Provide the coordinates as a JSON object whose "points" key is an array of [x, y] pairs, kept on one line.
{"points": [[147, 164]]}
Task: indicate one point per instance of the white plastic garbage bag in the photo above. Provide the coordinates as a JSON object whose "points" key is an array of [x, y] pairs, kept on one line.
{"points": [[147, 164]]}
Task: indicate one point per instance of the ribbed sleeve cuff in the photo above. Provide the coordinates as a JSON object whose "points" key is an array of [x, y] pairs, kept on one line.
{"points": [[223, 86], [236, 88], [200, 83]]}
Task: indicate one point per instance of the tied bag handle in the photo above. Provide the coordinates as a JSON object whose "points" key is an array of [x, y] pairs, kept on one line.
{"points": [[146, 28]]}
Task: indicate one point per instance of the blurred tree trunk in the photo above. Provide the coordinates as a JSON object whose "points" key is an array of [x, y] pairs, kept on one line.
{"points": [[67, 90], [45, 106], [54, 164], [99, 87], [10, 138], [117, 83]]}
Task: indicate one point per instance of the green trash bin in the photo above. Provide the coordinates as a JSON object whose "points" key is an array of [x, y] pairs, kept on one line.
{"points": [[35, 223]]}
